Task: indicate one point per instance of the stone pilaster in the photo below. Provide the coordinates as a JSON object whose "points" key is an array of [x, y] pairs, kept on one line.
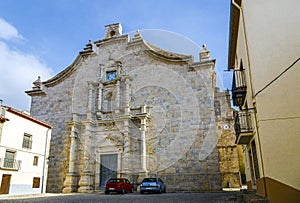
{"points": [[127, 147], [70, 184], [127, 97], [86, 176], [99, 101], [143, 128], [117, 99], [90, 100]]}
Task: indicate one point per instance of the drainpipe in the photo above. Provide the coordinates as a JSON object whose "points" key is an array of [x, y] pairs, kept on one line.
{"points": [[252, 93], [44, 164]]}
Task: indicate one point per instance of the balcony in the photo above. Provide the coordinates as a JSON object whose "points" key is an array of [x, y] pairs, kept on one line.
{"points": [[10, 164], [239, 88], [243, 127]]}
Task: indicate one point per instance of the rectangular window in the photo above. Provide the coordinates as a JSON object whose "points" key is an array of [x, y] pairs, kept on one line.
{"points": [[27, 141], [9, 160], [36, 182], [35, 160]]}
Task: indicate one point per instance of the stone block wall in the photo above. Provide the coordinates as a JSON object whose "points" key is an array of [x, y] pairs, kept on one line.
{"points": [[181, 141], [227, 149], [55, 108]]}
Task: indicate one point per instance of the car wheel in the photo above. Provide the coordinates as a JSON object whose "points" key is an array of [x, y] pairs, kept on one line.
{"points": [[106, 192], [131, 191], [159, 191]]}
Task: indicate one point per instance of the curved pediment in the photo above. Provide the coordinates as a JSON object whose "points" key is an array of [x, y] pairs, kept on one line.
{"points": [[63, 74], [167, 56], [92, 49]]}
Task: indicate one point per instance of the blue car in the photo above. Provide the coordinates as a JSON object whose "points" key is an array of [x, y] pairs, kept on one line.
{"points": [[152, 185]]}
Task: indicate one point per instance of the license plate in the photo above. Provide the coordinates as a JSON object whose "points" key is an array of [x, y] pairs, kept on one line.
{"points": [[111, 188], [148, 188]]}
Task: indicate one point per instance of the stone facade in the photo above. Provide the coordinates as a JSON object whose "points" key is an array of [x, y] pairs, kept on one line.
{"points": [[228, 154], [127, 108]]}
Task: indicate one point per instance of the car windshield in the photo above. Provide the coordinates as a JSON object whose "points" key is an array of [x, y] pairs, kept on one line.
{"points": [[114, 180], [149, 180]]}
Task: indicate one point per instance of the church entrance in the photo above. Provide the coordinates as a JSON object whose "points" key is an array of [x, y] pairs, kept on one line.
{"points": [[108, 168]]}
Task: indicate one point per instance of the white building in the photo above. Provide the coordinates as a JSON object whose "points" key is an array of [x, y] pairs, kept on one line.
{"points": [[24, 148]]}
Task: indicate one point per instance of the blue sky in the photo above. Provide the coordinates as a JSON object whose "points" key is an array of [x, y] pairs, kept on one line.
{"points": [[43, 37]]}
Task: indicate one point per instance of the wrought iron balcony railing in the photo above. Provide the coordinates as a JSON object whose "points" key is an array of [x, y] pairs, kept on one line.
{"points": [[243, 126], [12, 164], [239, 88]]}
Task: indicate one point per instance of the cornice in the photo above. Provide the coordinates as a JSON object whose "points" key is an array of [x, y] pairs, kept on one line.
{"points": [[203, 65], [63, 74], [233, 34], [112, 40]]}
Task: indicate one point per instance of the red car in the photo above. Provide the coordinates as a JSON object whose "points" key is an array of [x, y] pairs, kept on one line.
{"points": [[120, 185]]}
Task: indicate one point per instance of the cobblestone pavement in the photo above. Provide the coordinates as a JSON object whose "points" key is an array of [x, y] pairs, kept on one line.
{"points": [[213, 197]]}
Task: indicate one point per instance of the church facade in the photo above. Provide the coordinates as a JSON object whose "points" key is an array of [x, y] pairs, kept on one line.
{"points": [[126, 108]]}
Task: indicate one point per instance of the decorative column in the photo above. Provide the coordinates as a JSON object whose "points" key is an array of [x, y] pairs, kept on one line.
{"points": [[70, 184], [143, 145], [100, 87], [86, 176], [143, 117], [90, 100], [127, 97], [99, 102], [127, 153], [117, 100], [127, 148]]}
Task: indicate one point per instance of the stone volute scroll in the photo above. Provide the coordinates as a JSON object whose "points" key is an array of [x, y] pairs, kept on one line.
{"points": [[37, 89]]}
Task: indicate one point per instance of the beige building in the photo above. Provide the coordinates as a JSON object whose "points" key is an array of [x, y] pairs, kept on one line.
{"points": [[128, 108], [24, 149], [264, 47]]}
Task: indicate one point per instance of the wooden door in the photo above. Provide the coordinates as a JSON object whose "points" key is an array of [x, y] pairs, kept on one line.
{"points": [[5, 184]]}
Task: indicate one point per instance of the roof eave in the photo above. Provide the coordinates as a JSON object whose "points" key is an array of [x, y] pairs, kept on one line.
{"points": [[233, 34]]}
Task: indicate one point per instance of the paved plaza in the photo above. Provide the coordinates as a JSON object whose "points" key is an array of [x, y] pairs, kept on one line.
{"points": [[99, 197]]}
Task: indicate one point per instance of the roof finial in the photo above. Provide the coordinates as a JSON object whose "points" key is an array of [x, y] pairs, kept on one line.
{"points": [[204, 53], [37, 84], [137, 35]]}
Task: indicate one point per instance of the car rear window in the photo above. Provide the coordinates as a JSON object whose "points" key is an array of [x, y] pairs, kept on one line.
{"points": [[149, 180], [114, 181]]}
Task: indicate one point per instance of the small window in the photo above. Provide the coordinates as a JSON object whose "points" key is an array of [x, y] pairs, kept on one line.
{"points": [[35, 160], [36, 182], [217, 106], [111, 75], [27, 141]]}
